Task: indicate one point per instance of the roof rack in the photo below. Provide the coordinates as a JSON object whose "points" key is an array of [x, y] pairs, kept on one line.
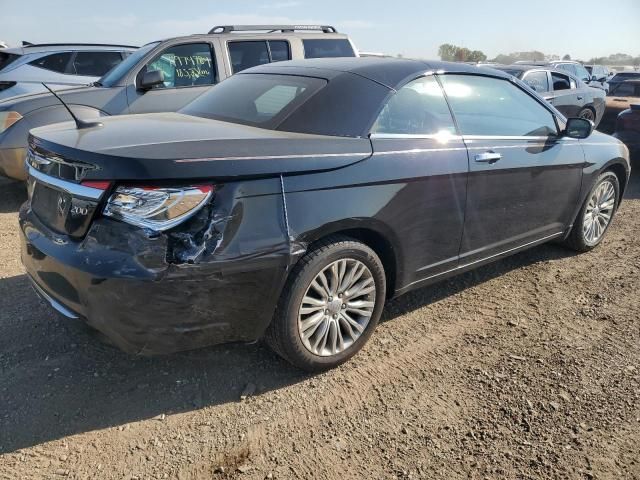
{"points": [[271, 28], [29, 44]]}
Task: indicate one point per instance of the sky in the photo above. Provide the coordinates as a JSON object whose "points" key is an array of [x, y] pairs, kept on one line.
{"points": [[413, 28]]}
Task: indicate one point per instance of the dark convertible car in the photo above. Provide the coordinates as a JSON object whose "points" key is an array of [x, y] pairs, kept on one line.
{"points": [[292, 200]]}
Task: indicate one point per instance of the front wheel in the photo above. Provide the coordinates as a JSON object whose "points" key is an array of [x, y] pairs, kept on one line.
{"points": [[330, 306], [587, 114], [596, 214]]}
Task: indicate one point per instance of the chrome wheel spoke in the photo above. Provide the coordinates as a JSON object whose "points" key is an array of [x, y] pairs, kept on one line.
{"points": [[599, 212], [337, 307]]}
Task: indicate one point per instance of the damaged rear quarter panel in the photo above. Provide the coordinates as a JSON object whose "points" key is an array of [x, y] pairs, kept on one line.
{"points": [[214, 279]]}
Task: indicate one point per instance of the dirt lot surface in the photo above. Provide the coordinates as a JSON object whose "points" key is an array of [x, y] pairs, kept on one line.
{"points": [[528, 368]]}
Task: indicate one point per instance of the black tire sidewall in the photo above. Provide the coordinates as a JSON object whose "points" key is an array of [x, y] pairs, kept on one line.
{"points": [[296, 352]]}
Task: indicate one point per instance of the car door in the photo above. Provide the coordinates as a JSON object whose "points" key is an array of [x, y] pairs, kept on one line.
{"points": [[189, 70], [565, 97], [524, 178], [417, 151]]}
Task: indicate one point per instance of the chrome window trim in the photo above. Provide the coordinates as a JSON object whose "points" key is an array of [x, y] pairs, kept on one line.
{"points": [[443, 138], [508, 137], [73, 189]]}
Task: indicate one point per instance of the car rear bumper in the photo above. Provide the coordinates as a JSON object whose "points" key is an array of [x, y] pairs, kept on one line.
{"points": [[12, 163], [126, 290]]}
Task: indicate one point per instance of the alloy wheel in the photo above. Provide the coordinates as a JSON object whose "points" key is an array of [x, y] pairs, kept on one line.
{"points": [[337, 307], [587, 114], [599, 212]]}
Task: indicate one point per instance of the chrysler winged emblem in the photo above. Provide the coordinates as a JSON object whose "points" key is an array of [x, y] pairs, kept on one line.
{"points": [[62, 204]]}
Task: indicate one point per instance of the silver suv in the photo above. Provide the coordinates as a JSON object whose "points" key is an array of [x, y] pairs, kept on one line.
{"points": [[164, 76], [22, 69]]}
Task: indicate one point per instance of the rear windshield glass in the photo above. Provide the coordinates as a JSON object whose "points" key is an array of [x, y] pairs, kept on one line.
{"points": [[515, 72], [7, 58], [116, 73], [255, 99], [328, 48]]}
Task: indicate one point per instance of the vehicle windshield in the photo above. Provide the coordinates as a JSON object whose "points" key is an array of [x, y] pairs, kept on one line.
{"points": [[258, 100], [113, 76]]}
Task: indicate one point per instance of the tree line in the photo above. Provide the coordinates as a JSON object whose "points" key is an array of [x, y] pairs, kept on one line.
{"points": [[454, 53]]}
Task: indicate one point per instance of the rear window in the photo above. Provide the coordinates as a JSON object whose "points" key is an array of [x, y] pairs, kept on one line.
{"points": [[56, 62], [328, 48], [255, 99], [7, 58], [95, 64]]}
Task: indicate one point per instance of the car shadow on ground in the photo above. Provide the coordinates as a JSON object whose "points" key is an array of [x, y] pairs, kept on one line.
{"points": [[12, 195], [58, 379]]}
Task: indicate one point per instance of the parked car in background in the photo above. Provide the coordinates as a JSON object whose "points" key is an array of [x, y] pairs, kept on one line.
{"points": [[624, 76], [628, 130], [3, 45], [620, 98], [23, 69], [571, 96], [292, 200], [164, 76], [575, 69], [601, 74]]}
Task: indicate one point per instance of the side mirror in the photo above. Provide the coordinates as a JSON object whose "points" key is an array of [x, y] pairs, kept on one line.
{"points": [[579, 128], [151, 79]]}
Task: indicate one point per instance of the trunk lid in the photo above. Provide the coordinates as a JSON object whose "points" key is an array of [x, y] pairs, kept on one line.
{"points": [[163, 148]]}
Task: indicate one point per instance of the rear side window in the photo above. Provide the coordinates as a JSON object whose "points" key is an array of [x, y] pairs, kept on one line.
{"points": [[185, 65], [418, 108], [560, 82], [496, 107], [257, 100], [328, 48], [95, 64], [56, 62], [538, 81], [249, 54], [7, 58]]}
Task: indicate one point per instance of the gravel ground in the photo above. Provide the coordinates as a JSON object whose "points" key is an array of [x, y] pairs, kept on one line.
{"points": [[527, 368]]}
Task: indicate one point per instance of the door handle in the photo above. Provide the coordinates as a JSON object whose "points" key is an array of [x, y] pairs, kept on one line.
{"points": [[488, 157]]}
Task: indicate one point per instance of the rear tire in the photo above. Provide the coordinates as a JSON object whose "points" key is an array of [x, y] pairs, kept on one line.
{"points": [[330, 306], [596, 214]]}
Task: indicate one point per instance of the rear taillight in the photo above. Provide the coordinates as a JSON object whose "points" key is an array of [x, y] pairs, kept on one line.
{"points": [[157, 208]]}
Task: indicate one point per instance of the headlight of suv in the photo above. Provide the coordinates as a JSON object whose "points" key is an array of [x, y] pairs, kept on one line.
{"points": [[7, 119], [157, 208]]}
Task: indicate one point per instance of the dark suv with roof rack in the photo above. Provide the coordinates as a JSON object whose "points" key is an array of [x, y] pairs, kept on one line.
{"points": [[164, 76]]}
